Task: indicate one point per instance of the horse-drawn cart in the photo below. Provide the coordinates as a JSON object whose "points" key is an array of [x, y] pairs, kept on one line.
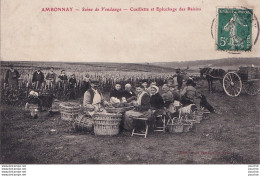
{"points": [[247, 78]]}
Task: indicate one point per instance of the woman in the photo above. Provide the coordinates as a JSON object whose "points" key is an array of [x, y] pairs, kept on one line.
{"points": [[189, 93], [142, 108], [116, 93], [156, 99]]}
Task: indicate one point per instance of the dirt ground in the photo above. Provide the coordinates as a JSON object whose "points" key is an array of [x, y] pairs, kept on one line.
{"points": [[230, 136]]}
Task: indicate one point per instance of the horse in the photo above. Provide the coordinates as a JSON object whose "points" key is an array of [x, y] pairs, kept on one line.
{"points": [[212, 74]]}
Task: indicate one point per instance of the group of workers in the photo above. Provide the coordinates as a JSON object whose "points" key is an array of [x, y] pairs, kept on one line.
{"points": [[148, 101]]}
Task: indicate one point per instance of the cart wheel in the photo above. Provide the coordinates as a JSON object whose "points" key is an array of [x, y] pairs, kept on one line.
{"points": [[232, 84], [252, 87]]}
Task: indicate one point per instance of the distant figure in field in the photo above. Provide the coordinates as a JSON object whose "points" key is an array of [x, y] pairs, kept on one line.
{"points": [[86, 83], [50, 79], [72, 86], [63, 79], [38, 79], [11, 77]]}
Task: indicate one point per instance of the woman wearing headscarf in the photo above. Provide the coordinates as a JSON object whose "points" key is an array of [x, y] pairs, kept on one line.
{"points": [[142, 108], [156, 99]]}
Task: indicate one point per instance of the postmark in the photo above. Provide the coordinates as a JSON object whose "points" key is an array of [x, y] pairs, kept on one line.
{"points": [[234, 29]]}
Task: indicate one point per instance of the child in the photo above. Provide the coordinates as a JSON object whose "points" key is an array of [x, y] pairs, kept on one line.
{"points": [[33, 104]]}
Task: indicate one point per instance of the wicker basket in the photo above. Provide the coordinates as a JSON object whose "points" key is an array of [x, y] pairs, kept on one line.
{"points": [[198, 118], [119, 110], [175, 128], [83, 123], [106, 123], [69, 111], [187, 126]]}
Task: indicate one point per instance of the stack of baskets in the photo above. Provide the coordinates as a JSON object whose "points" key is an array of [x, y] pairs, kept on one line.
{"points": [[69, 111], [107, 123]]}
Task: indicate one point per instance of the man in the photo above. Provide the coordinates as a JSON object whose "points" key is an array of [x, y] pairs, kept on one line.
{"points": [[62, 79], [50, 79], [72, 86], [179, 78], [167, 95], [128, 93], [11, 77], [93, 98], [189, 93], [38, 78]]}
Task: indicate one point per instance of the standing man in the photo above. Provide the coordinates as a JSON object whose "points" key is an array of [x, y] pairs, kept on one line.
{"points": [[11, 77], [50, 79], [63, 79], [72, 86], [38, 78]]}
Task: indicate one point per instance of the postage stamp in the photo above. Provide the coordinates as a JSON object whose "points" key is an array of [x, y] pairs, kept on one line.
{"points": [[234, 29]]}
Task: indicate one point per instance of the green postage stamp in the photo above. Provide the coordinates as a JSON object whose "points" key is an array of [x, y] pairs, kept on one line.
{"points": [[234, 29]]}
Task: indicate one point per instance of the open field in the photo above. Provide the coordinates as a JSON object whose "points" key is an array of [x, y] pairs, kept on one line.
{"points": [[230, 136]]}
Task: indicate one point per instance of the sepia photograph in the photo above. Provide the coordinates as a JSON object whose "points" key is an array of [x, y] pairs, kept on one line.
{"points": [[129, 83]]}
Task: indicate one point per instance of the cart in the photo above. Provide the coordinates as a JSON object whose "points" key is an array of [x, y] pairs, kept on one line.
{"points": [[247, 78]]}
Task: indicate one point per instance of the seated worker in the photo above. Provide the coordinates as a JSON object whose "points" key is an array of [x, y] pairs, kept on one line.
{"points": [[149, 88], [156, 99], [33, 104], [93, 98], [142, 108], [116, 92], [128, 93], [167, 95], [189, 93]]}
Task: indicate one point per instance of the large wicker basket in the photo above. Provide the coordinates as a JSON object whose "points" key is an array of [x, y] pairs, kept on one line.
{"points": [[69, 111], [119, 110], [106, 123], [83, 123]]}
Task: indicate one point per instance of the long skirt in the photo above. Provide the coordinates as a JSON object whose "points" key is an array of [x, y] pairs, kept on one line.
{"points": [[130, 115]]}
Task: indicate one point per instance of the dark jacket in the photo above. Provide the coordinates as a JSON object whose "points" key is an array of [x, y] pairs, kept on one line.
{"points": [[15, 76], [38, 77], [72, 82], [63, 77], [129, 95], [145, 103], [116, 93], [156, 101]]}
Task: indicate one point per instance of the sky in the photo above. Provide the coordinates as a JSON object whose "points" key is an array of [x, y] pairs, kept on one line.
{"points": [[29, 34]]}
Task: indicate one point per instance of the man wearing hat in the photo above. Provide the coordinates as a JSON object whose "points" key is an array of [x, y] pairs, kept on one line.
{"points": [[93, 98], [11, 77]]}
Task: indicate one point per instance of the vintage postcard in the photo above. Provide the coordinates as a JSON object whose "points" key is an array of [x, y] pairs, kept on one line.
{"points": [[130, 82]]}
